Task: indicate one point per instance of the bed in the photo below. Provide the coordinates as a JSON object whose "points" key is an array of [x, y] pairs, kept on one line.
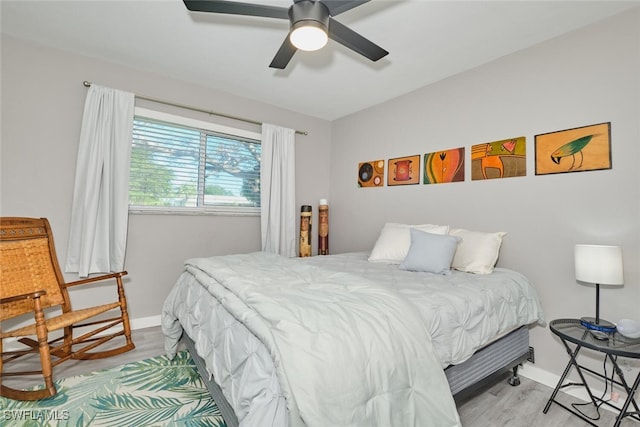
{"points": [[345, 339]]}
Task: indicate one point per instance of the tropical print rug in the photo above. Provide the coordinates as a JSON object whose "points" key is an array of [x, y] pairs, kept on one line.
{"points": [[151, 392]]}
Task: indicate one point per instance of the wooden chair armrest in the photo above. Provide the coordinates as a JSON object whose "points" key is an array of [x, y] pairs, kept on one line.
{"points": [[30, 295], [95, 279]]}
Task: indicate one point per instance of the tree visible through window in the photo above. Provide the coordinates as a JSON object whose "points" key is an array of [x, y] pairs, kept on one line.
{"points": [[176, 166]]}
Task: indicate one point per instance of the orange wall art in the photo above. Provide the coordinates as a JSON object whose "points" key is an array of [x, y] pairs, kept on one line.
{"points": [[573, 150], [371, 174], [499, 159], [444, 166], [404, 170]]}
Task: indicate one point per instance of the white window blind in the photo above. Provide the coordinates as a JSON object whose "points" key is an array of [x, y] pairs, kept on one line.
{"points": [[186, 168]]}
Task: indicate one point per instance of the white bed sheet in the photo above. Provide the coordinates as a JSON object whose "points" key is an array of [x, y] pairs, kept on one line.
{"points": [[452, 308]]}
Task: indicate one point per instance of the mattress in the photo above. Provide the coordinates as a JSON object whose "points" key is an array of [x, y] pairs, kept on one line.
{"points": [[462, 312]]}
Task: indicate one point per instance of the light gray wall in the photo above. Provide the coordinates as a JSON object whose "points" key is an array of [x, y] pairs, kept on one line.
{"points": [[586, 77], [42, 103]]}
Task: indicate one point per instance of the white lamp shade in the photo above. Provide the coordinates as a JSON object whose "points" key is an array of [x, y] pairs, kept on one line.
{"points": [[599, 264], [309, 36]]}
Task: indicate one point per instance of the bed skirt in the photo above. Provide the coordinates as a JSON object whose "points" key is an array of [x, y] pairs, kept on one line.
{"points": [[214, 389], [505, 353]]}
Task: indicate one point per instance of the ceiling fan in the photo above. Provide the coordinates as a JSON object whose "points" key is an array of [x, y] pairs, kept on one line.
{"points": [[311, 24]]}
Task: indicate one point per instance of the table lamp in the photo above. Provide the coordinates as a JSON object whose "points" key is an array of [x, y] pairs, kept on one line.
{"points": [[601, 265]]}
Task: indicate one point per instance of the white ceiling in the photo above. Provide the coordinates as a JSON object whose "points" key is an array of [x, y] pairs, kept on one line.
{"points": [[427, 40]]}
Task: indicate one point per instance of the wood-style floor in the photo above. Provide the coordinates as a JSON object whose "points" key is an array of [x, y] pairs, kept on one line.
{"points": [[496, 405]]}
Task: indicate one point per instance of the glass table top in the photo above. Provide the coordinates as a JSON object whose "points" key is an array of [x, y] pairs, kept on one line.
{"points": [[612, 343]]}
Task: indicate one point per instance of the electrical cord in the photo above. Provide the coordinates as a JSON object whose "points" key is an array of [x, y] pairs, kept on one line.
{"points": [[601, 399]]}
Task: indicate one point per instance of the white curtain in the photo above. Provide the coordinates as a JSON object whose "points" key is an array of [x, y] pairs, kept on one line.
{"points": [[99, 213], [277, 188]]}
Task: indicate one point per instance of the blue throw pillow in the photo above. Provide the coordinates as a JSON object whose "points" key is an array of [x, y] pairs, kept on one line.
{"points": [[430, 253]]}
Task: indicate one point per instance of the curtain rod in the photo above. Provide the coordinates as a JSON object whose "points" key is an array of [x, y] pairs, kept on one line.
{"points": [[199, 110]]}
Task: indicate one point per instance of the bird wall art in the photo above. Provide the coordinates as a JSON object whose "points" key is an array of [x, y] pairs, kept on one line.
{"points": [[574, 150]]}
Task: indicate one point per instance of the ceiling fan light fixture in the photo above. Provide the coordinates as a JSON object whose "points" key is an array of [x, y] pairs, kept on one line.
{"points": [[309, 35], [311, 24]]}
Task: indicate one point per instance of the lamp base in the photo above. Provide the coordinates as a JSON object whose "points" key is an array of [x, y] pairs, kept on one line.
{"points": [[601, 325]]}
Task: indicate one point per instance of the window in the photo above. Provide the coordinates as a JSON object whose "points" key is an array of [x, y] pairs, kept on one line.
{"points": [[183, 165]]}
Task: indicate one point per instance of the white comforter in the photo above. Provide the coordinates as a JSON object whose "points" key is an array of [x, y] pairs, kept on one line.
{"points": [[463, 312], [346, 350]]}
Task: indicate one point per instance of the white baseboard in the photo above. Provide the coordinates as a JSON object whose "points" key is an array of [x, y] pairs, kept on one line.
{"points": [[145, 322]]}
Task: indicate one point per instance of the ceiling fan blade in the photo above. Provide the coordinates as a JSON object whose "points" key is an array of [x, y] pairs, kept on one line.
{"points": [[237, 8], [284, 55], [336, 7], [354, 41]]}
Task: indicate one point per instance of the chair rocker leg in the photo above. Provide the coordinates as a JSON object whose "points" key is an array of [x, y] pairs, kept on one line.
{"points": [[11, 393], [47, 373], [82, 355], [85, 353]]}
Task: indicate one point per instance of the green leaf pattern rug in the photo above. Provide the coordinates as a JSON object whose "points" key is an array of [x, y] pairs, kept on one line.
{"points": [[151, 392]]}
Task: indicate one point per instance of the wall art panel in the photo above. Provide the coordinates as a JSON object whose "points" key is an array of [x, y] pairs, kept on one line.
{"points": [[371, 174], [404, 170], [444, 166], [499, 159], [574, 150]]}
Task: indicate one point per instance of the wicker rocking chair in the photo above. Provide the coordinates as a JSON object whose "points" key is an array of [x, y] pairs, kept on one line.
{"points": [[31, 282]]}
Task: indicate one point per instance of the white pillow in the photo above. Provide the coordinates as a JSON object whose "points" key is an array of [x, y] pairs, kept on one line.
{"points": [[430, 252], [393, 244], [477, 252]]}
